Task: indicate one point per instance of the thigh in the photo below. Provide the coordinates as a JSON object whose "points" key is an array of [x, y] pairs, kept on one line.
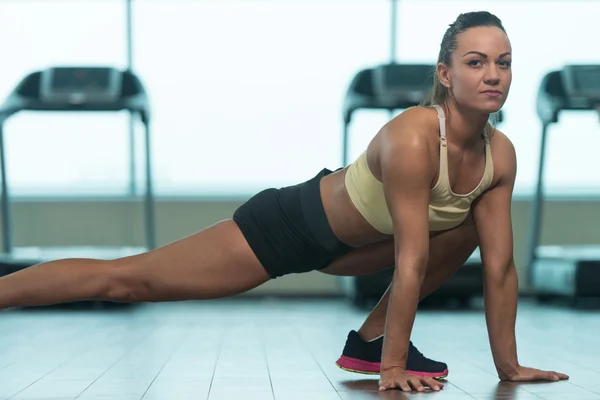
{"points": [[215, 262], [364, 260], [448, 251]]}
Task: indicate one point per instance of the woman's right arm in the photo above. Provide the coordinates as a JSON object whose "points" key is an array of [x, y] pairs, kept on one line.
{"points": [[407, 173]]}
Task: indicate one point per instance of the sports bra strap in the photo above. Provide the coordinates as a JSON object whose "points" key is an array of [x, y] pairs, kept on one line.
{"points": [[442, 118]]}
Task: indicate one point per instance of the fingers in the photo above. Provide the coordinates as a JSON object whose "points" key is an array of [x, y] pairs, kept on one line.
{"points": [[547, 376], [560, 376], [537, 375], [388, 385], [412, 384], [402, 385], [551, 376], [415, 383], [433, 384]]}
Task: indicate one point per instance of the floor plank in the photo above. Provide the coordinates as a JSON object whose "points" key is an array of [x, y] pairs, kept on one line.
{"points": [[273, 349]]}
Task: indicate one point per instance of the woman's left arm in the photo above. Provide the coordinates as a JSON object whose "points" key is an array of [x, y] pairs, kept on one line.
{"points": [[492, 216]]}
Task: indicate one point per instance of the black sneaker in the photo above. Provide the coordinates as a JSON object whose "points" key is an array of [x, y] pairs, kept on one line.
{"points": [[365, 358]]}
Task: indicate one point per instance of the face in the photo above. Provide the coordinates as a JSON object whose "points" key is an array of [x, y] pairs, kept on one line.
{"points": [[480, 74]]}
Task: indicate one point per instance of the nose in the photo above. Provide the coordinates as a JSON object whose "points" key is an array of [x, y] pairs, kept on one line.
{"points": [[492, 77]]}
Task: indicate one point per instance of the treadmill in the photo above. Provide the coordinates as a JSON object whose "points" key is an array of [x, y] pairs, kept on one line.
{"points": [[563, 271], [74, 89], [394, 87]]}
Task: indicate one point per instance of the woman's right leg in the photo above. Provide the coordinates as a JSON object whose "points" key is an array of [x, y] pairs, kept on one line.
{"points": [[215, 262]]}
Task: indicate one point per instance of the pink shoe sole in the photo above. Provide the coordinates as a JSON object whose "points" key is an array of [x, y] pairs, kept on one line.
{"points": [[372, 368]]}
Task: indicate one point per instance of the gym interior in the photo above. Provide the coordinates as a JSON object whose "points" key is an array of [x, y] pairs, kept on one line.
{"points": [[129, 124]]}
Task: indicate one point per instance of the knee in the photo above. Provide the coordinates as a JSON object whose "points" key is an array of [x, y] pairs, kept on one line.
{"points": [[124, 284]]}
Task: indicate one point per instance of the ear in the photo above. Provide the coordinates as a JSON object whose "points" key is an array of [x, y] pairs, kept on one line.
{"points": [[443, 73]]}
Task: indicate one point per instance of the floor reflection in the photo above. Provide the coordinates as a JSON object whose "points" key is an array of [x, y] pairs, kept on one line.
{"points": [[368, 389]]}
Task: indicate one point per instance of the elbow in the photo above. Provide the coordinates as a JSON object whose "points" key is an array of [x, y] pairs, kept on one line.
{"points": [[412, 266], [411, 255], [500, 271]]}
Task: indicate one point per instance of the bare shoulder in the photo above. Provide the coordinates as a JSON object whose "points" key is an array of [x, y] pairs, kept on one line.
{"points": [[504, 155], [417, 126], [416, 120], [411, 136]]}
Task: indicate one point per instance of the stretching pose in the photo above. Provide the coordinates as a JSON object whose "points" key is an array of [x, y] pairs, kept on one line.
{"points": [[433, 184]]}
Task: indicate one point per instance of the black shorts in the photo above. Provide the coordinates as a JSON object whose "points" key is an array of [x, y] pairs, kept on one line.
{"points": [[288, 230]]}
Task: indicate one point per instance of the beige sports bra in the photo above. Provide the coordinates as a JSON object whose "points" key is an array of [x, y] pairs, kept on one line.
{"points": [[446, 208]]}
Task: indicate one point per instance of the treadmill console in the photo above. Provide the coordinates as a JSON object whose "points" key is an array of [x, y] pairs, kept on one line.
{"points": [[402, 82], [582, 82], [80, 85]]}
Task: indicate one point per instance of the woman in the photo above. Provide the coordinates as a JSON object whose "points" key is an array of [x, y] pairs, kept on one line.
{"points": [[434, 183]]}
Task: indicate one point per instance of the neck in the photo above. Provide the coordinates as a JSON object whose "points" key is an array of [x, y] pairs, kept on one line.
{"points": [[465, 126]]}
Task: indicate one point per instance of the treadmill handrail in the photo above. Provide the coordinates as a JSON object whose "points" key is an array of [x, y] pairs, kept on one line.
{"points": [[552, 99], [25, 97]]}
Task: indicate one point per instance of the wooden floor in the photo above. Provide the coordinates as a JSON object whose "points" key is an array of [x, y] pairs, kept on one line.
{"points": [[272, 349]]}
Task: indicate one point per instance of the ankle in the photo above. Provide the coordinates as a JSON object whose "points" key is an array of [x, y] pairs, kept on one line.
{"points": [[369, 335]]}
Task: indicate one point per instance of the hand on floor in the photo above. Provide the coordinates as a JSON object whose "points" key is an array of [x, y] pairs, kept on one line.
{"points": [[397, 378], [524, 374]]}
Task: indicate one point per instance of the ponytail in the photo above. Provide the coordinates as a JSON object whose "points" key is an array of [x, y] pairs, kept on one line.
{"points": [[438, 93]]}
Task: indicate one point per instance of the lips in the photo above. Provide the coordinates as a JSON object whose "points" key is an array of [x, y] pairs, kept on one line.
{"points": [[493, 93]]}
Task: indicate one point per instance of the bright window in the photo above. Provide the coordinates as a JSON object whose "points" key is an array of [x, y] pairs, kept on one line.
{"points": [[58, 154], [248, 94]]}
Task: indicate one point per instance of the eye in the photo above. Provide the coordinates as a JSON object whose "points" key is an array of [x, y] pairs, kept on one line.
{"points": [[474, 63], [505, 64]]}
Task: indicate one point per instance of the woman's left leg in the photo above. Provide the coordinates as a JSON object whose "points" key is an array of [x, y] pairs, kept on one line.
{"points": [[448, 252]]}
